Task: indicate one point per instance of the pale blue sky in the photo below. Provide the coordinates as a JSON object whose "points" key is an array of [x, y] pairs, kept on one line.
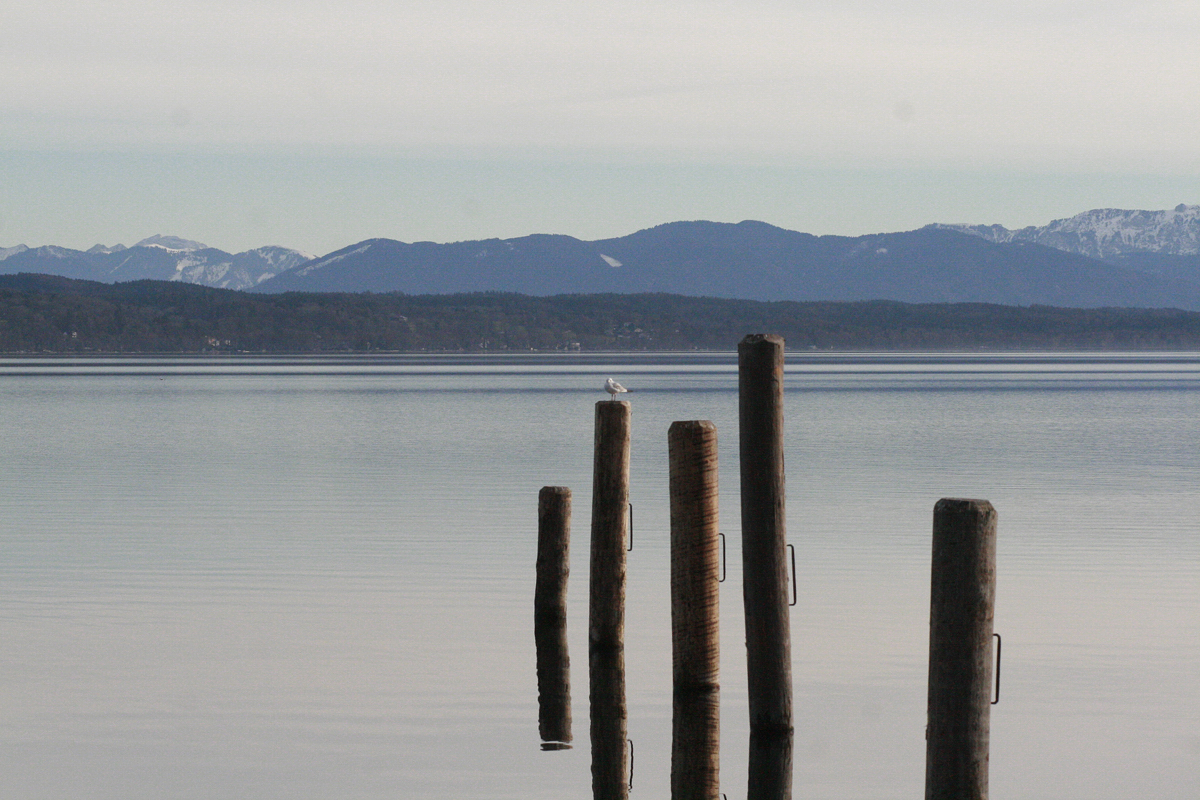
{"points": [[316, 125]]}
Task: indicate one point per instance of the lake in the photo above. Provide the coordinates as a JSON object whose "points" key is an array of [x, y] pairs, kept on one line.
{"points": [[312, 577]]}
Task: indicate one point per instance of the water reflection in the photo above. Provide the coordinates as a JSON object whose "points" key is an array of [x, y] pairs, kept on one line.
{"points": [[770, 766], [277, 584], [554, 684], [610, 775]]}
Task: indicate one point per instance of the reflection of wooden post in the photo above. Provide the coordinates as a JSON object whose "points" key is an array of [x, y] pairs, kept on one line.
{"points": [[610, 767], [695, 751], [764, 533], [606, 624], [550, 614], [770, 766], [962, 601]]}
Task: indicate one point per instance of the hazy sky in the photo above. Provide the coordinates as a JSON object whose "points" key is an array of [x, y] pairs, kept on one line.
{"points": [[316, 125]]}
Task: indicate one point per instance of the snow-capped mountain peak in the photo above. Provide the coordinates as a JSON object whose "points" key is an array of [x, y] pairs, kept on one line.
{"points": [[105, 249], [5, 252], [171, 243], [1107, 232], [164, 258], [240, 271]]}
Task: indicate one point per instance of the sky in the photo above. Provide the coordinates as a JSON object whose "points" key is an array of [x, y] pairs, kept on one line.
{"points": [[316, 125]]}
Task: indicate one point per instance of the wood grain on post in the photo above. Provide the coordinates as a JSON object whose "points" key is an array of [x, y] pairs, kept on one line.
{"points": [[553, 556], [610, 526], [695, 618], [962, 603], [606, 612], [764, 533], [550, 614]]}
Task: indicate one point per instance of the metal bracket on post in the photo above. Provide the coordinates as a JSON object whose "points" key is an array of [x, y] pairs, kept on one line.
{"points": [[630, 528], [998, 644], [792, 550], [721, 579], [630, 741]]}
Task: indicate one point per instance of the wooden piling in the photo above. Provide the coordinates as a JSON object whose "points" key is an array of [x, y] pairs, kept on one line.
{"points": [[606, 612], [764, 534], [553, 556], [550, 616], [610, 526], [962, 602], [695, 621]]}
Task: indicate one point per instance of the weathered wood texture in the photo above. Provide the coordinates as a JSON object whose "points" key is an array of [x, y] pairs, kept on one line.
{"points": [[764, 533], [553, 555], [610, 525], [696, 653], [606, 613], [770, 772], [610, 766], [962, 602], [550, 614]]}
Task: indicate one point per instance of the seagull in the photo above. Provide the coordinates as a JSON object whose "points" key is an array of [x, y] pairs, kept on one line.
{"points": [[614, 388]]}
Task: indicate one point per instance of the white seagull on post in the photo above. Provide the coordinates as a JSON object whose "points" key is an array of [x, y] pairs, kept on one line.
{"points": [[614, 388]]}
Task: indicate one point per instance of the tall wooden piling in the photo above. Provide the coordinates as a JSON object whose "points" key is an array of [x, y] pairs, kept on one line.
{"points": [[962, 602], [550, 616], [764, 534], [610, 526], [606, 613], [695, 620]]}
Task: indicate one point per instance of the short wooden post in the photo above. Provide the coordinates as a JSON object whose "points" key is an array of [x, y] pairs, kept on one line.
{"points": [[550, 616], [695, 619], [962, 602], [770, 773], [764, 533], [606, 613]]}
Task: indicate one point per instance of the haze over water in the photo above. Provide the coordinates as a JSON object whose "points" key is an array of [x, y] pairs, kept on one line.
{"points": [[313, 577]]}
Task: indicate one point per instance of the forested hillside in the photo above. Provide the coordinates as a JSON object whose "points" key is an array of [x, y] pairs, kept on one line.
{"points": [[44, 314]]}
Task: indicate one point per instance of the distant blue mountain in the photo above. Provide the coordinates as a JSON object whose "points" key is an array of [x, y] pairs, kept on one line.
{"points": [[1105, 257], [754, 261]]}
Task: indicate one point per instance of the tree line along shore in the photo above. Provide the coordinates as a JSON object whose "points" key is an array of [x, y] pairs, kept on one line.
{"points": [[49, 314]]}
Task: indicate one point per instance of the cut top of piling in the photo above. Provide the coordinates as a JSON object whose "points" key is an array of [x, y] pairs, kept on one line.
{"points": [[764, 350], [965, 507], [758, 339], [697, 428]]}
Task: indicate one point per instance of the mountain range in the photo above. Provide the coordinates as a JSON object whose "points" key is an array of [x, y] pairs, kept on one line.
{"points": [[1107, 233], [1104, 257], [164, 258]]}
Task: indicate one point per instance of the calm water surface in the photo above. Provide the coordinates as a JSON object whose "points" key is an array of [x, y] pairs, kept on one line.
{"points": [[313, 577]]}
